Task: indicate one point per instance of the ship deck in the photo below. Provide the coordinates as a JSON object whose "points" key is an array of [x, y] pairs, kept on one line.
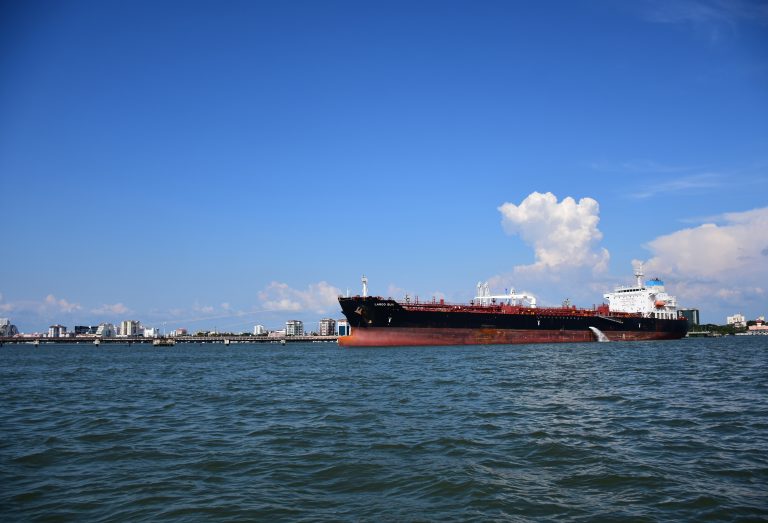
{"points": [[599, 310]]}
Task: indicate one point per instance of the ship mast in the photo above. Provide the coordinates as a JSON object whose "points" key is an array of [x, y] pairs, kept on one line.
{"points": [[639, 274], [365, 286]]}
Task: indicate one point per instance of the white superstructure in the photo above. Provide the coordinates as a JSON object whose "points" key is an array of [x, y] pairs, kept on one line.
{"points": [[484, 297], [649, 299]]}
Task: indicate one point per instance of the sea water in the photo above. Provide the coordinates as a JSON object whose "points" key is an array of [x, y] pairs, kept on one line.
{"points": [[645, 431]]}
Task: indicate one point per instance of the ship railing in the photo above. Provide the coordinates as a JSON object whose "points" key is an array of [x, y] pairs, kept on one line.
{"points": [[519, 309]]}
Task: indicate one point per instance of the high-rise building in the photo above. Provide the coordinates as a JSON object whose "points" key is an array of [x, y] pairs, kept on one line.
{"points": [[294, 328], [737, 320], [57, 331], [130, 328], [259, 330], [342, 327], [327, 327], [7, 328], [692, 315], [153, 332], [106, 330]]}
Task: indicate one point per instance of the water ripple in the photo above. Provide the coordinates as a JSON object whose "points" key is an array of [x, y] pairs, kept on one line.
{"points": [[640, 431]]}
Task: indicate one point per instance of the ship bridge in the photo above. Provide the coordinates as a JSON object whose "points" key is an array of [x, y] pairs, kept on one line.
{"points": [[648, 298]]}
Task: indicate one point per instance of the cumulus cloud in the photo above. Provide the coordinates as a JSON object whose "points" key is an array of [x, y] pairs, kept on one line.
{"points": [[716, 264], [563, 234], [50, 304], [117, 308], [318, 297], [59, 305], [204, 309]]}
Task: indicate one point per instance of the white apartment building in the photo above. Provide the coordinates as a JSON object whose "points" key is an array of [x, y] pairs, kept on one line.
{"points": [[130, 328], [154, 332], [294, 328], [106, 330], [327, 327], [57, 331]]}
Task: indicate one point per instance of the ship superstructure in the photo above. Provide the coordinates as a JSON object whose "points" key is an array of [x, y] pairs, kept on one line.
{"points": [[484, 297], [649, 299]]}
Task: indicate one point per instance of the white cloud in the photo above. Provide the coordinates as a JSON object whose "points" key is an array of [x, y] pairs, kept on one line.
{"points": [[706, 12], [641, 166], [201, 313], [653, 178], [59, 305], [318, 297], [715, 19], [701, 181], [717, 265], [46, 309], [563, 234], [117, 308], [401, 293], [569, 261], [5, 307]]}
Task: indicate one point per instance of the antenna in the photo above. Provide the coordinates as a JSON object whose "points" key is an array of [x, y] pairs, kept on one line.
{"points": [[365, 286], [639, 274]]}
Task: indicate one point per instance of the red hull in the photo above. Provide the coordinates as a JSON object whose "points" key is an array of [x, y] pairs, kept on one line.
{"points": [[394, 337]]}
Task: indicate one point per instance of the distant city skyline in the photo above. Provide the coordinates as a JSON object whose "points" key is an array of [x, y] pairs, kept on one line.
{"points": [[225, 165], [135, 329]]}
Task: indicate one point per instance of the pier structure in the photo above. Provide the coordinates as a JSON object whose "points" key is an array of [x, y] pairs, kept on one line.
{"points": [[226, 340]]}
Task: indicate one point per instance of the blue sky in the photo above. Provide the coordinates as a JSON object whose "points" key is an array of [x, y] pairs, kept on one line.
{"points": [[221, 164]]}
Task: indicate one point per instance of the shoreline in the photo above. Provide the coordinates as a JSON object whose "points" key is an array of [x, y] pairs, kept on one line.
{"points": [[226, 340]]}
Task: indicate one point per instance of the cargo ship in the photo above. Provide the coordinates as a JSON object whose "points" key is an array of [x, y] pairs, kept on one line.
{"points": [[643, 311]]}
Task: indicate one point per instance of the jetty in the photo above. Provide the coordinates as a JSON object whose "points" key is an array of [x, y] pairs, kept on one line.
{"points": [[222, 339]]}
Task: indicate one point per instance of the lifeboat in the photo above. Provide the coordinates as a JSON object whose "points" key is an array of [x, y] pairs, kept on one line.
{"points": [[660, 303]]}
